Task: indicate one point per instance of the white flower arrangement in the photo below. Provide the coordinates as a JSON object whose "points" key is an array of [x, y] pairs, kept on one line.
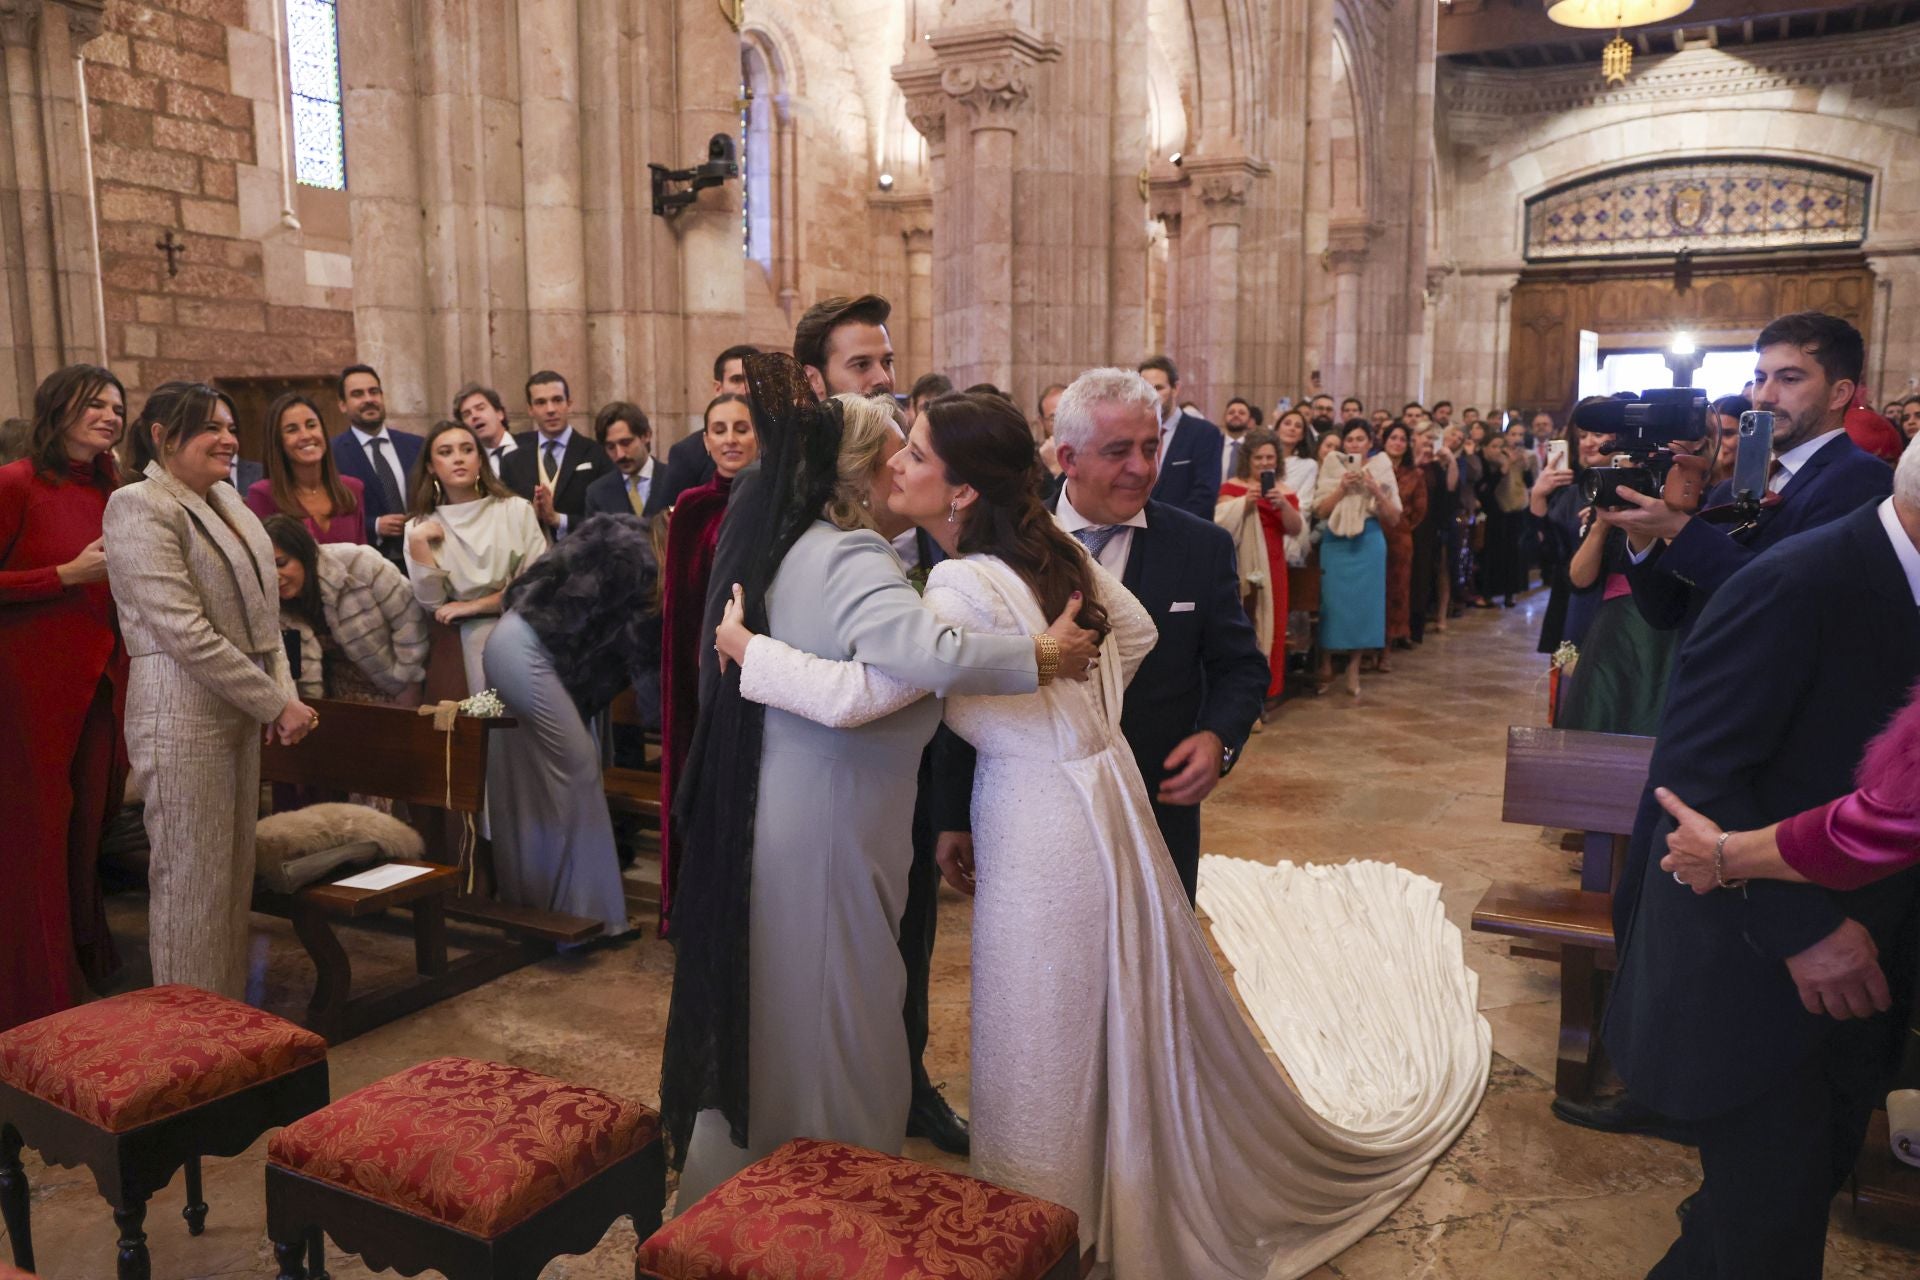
{"points": [[485, 705]]}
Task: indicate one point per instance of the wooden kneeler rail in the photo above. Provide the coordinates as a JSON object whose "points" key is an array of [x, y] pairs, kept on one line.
{"points": [[397, 753]]}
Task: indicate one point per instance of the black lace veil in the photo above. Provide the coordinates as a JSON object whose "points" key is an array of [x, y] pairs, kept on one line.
{"points": [[716, 801]]}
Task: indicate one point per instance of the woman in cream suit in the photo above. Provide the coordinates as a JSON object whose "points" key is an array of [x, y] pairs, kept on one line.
{"points": [[193, 578]]}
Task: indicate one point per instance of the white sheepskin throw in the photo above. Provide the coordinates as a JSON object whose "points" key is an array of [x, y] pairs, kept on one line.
{"points": [[294, 849]]}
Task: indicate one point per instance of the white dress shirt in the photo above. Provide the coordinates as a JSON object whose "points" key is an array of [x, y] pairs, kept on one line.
{"points": [[1113, 556], [1228, 444], [1795, 458], [645, 478], [1903, 548], [560, 443], [1167, 423], [497, 455]]}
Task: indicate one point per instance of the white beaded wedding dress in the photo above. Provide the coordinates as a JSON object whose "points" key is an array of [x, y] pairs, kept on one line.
{"points": [[1112, 1071]]}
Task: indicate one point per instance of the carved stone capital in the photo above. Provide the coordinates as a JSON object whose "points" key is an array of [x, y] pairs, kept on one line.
{"points": [[84, 19], [1223, 183], [19, 22], [987, 69], [926, 101], [1166, 195], [1437, 281], [1348, 242]]}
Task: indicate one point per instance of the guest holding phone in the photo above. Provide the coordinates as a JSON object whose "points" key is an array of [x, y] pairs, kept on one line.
{"points": [[193, 578], [1356, 497], [1255, 490], [1410, 485]]}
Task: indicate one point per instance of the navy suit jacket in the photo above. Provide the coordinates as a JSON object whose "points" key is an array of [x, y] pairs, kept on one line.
{"points": [[687, 465], [1207, 671], [353, 461], [1190, 468], [1797, 662], [581, 463], [607, 496], [1672, 585]]}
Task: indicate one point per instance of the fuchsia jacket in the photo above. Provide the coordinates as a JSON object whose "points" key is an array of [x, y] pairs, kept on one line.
{"points": [[1870, 833]]}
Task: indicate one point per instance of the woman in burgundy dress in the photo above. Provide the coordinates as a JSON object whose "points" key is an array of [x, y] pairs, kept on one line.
{"points": [[1397, 444], [63, 679], [1280, 518], [693, 532], [302, 480]]}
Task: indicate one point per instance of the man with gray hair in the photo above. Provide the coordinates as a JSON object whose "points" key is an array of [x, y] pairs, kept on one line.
{"points": [[1195, 698]]}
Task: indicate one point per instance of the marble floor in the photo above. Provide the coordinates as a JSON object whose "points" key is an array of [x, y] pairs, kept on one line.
{"points": [[1410, 772]]}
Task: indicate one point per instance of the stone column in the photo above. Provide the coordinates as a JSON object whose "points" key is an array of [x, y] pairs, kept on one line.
{"points": [[550, 126], [919, 84], [1893, 345], [1316, 196], [713, 282], [51, 307], [916, 336], [1220, 185], [380, 85], [608, 188], [1500, 391], [1346, 260]]}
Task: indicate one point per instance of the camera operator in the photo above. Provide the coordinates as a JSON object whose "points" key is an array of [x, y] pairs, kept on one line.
{"points": [[1757, 1014], [1806, 372]]}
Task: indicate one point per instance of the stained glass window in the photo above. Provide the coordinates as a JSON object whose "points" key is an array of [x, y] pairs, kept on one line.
{"points": [[1708, 206], [313, 59]]}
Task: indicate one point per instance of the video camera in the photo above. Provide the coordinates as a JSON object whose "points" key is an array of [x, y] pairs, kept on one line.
{"points": [[1663, 447]]}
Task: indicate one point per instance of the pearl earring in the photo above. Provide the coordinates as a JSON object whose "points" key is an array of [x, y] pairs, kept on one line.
{"points": [[953, 511]]}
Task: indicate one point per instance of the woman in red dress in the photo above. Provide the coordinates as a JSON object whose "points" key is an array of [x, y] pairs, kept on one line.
{"points": [[1280, 518], [1397, 444], [693, 531], [63, 679], [302, 480]]}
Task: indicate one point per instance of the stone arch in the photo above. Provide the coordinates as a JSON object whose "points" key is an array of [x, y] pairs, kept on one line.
{"points": [[1346, 144], [1227, 72]]}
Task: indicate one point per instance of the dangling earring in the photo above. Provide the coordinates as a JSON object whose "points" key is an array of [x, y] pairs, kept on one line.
{"points": [[953, 511]]}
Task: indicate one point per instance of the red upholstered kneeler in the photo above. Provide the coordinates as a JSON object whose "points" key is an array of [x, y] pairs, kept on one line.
{"points": [[478, 1170], [825, 1209], [135, 1087]]}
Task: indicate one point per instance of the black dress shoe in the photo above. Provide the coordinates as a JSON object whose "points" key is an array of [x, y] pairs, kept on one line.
{"points": [[931, 1118], [1619, 1113]]}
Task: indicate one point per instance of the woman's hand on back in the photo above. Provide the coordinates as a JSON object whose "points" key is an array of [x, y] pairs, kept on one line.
{"points": [[1079, 647]]}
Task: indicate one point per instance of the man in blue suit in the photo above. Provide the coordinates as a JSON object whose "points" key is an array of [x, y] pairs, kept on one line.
{"points": [[1806, 372], [1189, 462], [379, 459], [1193, 702], [1757, 1013]]}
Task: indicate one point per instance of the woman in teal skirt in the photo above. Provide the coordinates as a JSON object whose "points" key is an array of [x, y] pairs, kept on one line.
{"points": [[1356, 496]]}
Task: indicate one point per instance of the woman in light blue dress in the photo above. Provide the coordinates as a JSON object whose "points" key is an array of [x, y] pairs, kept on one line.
{"points": [[1355, 496]]}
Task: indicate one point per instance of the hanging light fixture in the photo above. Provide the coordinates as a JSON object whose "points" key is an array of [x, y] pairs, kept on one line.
{"points": [[1616, 60]]}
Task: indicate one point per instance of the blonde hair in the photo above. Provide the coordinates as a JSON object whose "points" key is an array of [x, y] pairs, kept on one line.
{"points": [[867, 424]]}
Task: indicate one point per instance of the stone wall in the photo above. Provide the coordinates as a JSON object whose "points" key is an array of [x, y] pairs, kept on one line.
{"points": [[1508, 135]]}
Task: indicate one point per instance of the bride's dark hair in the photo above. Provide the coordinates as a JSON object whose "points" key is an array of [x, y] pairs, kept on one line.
{"points": [[984, 441]]}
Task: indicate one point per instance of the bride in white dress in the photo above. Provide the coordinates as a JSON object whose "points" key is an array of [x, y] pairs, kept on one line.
{"points": [[1112, 1071]]}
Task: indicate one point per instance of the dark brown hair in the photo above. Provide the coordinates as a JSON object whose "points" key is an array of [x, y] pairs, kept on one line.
{"points": [[423, 491], [721, 361], [290, 536], [473, 389], [1406, 459], [1256, 437], [1303, 448], [816, 327], [57, 404], [1835, 344], [984, 441], [280, 466], [181, 411], [725, 397], [621, 411], [1164, 364]]}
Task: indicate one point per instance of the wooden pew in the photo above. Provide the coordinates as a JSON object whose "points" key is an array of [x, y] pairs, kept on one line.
{"points": [[634, 791], [397, 753], [1590, 783]]}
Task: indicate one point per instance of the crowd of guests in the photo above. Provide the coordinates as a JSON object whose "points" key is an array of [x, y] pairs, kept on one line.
{"points": [[167, 605]]}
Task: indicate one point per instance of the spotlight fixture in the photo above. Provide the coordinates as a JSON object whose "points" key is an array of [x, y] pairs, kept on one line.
{"points": [[886, 182], [1175, 158]]}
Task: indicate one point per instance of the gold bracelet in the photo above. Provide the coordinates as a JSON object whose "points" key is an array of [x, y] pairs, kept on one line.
{"points": [[1720, 880], [1046, 657]]}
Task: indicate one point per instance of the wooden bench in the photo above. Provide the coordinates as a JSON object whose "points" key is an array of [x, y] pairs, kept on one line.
{"points": [[396, 752], [1590, 783]]}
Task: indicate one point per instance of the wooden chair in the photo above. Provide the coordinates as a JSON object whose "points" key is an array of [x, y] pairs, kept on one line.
{"points": [[397, 753], [1590, 783], [136, 1086], [826, 1208], [478, 1170]]}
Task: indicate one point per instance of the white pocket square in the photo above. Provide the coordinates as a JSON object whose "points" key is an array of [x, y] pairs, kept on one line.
{"points": [[1180, 606], [585, 466], [1183, 462]]}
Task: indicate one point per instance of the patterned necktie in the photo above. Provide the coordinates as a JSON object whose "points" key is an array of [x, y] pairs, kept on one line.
{"points": [[552, 476], [1095, 537], [389, 482]]}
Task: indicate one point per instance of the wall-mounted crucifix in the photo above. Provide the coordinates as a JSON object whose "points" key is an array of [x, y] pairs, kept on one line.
{"points": [[172, 247]]}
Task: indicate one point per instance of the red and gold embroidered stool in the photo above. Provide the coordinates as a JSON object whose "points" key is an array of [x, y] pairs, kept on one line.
{"points": [[825, 1209], [139, 1085], [478, 1170]]}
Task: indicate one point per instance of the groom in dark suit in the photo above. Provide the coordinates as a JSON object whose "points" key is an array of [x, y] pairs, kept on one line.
{"points": [[554, 464], [1758, 1013], [1189, 709]]}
